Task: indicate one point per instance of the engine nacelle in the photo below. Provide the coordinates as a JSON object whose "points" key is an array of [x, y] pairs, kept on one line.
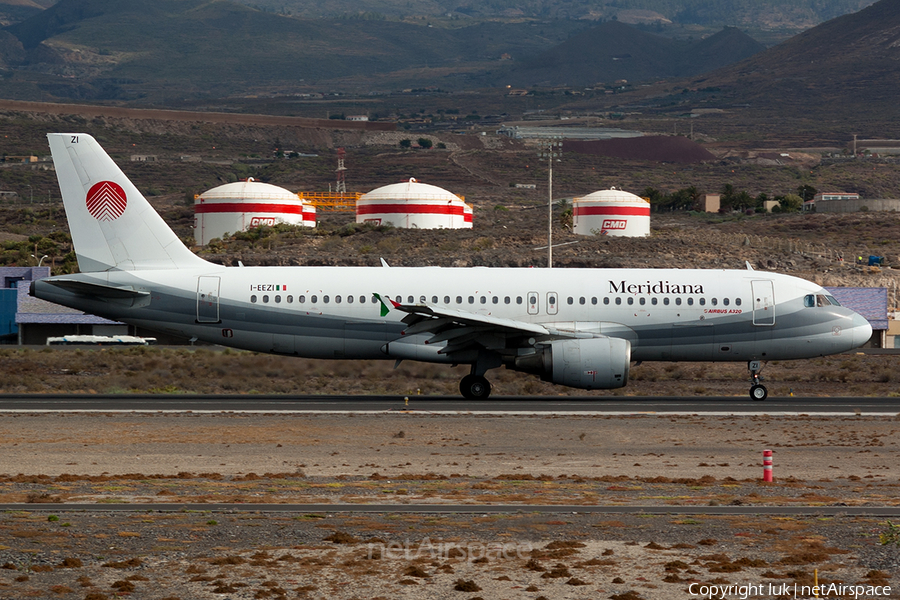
{"points": [[600, 363]]}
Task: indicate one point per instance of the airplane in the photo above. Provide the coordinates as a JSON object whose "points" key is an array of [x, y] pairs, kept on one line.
{"points": [[580, 328]]}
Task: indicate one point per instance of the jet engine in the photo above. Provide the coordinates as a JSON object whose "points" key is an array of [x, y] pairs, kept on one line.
{"points": [[599, 363]]}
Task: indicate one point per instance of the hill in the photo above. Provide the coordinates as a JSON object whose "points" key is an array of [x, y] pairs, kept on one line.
{"points": [[615, 51], [772, 14], [846, 67], [105, 49]]}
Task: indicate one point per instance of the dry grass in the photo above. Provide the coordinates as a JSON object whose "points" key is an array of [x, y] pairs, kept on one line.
{"points": [[208, 371]]}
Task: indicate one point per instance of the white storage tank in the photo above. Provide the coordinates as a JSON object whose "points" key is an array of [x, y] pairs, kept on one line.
{"points": [[414, 205], [245, 204], [611, 212]]}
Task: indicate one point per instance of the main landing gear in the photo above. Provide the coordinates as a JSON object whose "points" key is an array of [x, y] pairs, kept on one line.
{"points": [[757, 391], [475, 387]]}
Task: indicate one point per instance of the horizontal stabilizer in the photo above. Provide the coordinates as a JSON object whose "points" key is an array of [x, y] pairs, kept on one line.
{"points": [[84, 288]]}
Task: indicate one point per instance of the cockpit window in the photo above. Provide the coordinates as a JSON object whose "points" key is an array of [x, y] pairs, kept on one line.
{"points": [[811, 300]]}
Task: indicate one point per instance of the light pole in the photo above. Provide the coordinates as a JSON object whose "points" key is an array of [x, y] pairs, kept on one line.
{"points": [[39, 260], [551, 149]]}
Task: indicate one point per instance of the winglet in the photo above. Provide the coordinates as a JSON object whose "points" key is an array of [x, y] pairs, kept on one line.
{"points": [[749, 267], [384, 307], [384, 263]]}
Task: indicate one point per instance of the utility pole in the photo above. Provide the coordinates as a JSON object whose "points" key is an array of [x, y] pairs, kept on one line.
{"points": [[550, 149]]}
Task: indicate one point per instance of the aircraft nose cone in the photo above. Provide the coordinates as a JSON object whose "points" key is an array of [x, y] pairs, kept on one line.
{"points": [[862, 330]]}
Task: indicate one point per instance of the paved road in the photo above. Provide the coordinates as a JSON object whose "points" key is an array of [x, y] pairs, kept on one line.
{"points": [[450, 404], [878, 511]]}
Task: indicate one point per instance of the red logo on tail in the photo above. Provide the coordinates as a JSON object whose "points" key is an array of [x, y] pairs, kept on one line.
{"points": [[106, 201]]}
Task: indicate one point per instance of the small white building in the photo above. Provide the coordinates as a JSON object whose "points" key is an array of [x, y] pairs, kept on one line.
{"points": [[414, 205], [611, 212], [246, 204]]}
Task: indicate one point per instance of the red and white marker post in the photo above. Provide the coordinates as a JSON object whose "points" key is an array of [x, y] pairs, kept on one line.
{"points": [[767, 465]]}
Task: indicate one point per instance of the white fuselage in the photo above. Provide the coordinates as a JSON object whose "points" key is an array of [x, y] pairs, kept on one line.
{"points": [[330, 312]]}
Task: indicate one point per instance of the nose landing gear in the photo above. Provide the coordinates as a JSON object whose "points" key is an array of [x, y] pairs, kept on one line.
{"points": [[758, 391]]}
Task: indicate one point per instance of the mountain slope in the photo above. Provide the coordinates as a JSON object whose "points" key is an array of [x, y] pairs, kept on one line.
{"points": [[789, 14], [614, 51], [851, 63], [222, 44]]}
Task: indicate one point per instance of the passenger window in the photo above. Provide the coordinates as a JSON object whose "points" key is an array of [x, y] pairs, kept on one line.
{"points": [[471, 299], [690, 301], [518, 299], [483, 300], [411, 299], [265, 299], [495, 299], [606, 301], [399, 299], [459, 299], [301, 299], [290, 299], [507, 300], [642, 301], [618, 300], [714, 301], [581, 300], [630, 300], [325, 299], [253, 298], [446, 299], [654, 301], [570, 300], [703, 301], [532, 300], [349, 299], [725, 301], [594, 300], [737, 301], [677, 301], [277, 299], [666, 301], [551, 300]]}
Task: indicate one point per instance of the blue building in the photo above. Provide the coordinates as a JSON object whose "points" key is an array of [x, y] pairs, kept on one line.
{"points": [[871, 303], [28, 320]]}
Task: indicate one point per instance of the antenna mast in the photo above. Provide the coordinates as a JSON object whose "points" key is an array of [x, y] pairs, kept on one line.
{"points": [[341, 187]]}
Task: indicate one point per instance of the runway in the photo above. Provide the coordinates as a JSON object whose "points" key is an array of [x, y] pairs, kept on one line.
{"points": [[479, 509], [560, 405]]}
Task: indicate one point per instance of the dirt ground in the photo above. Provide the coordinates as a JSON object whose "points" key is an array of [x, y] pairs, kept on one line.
{"points": [[418, 458]]}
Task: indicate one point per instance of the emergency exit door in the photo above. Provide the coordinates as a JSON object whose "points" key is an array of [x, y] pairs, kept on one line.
{"points": [[208, 299]]}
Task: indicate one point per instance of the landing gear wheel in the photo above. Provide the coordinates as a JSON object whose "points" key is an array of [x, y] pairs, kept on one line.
{"points": [[759, 392], [474, 387]]}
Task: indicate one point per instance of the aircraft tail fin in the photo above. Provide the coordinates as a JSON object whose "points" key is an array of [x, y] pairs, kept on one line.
{"points": [[113, 226]]}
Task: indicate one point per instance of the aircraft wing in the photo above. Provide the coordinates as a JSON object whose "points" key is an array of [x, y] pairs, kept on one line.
{"points": [[463, 330]]}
